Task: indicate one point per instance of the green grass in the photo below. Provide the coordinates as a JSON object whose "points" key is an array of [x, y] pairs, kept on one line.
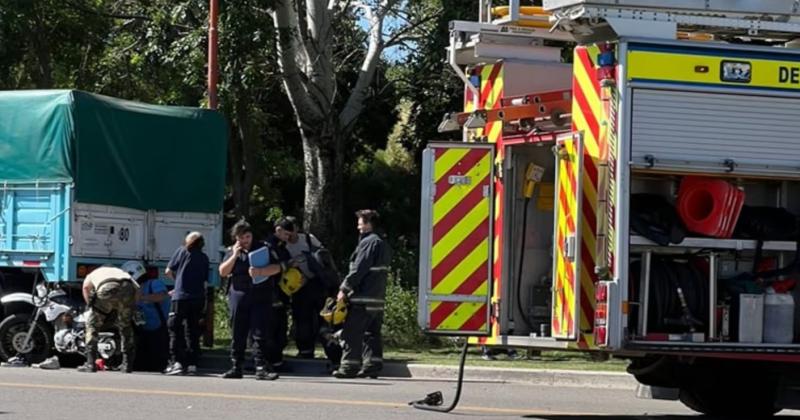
{"points": [[547, 359], [449, 356]]}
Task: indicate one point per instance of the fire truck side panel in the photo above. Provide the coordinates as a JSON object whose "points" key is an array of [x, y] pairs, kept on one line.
{"points": [[715, 110], [619, 115], [494, 82], [569, 228], [456, 228]]}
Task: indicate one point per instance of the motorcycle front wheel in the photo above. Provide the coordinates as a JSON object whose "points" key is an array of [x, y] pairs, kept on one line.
{"points": [[13, 331]]}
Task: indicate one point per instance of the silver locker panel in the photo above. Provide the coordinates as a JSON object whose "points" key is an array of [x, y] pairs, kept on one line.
{"points": [[701, 131]]}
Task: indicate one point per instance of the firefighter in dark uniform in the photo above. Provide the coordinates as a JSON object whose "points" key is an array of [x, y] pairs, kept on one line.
{"points": [[364, 289], [250, 304]]}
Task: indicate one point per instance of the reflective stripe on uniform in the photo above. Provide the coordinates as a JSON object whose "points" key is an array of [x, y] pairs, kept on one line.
{"points": [[364, 300], [379, 268]]}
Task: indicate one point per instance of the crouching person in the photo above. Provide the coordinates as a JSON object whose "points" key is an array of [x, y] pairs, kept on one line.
{"points": [[110, 294]]}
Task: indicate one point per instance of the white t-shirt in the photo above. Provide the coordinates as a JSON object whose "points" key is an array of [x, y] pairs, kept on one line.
{"points": [[301, 246], [101, 274]]}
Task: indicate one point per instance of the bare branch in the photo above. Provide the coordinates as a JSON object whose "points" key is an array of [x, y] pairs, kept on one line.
{"points": [[293, 59], [355, 103], [318, 44], [402, 34]]}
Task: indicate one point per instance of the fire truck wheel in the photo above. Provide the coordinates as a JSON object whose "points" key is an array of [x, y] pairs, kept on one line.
{"points": [[655, 371], [729, 399]]}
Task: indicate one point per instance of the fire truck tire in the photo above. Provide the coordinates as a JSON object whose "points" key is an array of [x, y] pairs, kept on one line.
{"points": [[714, 396], [655, 371]]}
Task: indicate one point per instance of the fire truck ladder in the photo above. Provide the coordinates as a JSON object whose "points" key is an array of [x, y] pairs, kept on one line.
{"points": [[771, 22], [540, 112]]}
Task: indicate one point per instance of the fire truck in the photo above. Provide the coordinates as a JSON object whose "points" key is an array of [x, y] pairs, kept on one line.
{"points": [[614, 158]]}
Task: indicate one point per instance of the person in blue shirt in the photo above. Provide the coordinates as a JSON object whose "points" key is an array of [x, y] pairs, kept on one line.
{"points": [[153, 338], [189, 267]]}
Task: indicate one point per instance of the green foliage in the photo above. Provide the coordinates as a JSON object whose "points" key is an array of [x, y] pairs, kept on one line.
{"points": [[400, 329], [222, 325], [426, 79]]}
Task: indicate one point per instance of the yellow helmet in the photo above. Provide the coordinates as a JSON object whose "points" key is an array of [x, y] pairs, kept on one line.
{"points": [[334, 312], [291, 281]]}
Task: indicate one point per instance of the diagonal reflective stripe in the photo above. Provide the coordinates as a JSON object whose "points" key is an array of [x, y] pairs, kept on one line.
{"points": [[479, 214], [467, 266], [447, 202], [444, 163]]}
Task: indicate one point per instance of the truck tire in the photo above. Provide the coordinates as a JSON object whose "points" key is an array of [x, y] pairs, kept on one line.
{"points": [[727, 397], [13, 330], [659, 371]]}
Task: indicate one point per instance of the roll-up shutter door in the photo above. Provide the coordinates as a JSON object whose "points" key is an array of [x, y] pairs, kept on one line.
{"points": [[715, 132]]}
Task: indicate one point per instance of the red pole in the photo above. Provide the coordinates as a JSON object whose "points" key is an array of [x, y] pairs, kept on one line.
{"points": [[213, 71], [213, 75]]}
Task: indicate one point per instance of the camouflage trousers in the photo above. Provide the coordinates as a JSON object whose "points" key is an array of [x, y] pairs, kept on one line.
{"points": [[114, 303]]}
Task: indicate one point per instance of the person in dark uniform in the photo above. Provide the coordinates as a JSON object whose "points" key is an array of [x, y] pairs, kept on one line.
{"points": [[250, 304], [364, 288], [278, 327], [308, 301]]}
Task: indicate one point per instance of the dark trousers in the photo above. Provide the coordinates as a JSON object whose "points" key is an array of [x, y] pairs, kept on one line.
{"points": [[153, 349], [331, 345], [278, 330], [306, 304], [362, 347], [250, 316], [184, 330]]}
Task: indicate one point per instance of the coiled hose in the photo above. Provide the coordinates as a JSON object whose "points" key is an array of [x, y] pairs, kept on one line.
{"points": [[671, 312]]}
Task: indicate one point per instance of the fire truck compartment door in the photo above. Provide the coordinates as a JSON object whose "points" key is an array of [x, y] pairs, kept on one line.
{"points": [[566, 246], [715, 132], [456, 238]]}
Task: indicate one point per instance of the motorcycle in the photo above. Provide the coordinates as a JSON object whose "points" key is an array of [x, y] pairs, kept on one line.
{"points": [[58, 323]]}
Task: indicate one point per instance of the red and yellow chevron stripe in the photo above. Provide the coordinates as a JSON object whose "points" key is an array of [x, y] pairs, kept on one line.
{"points": [[589, 118], [566, 284], [461, 227], [491, 93]]}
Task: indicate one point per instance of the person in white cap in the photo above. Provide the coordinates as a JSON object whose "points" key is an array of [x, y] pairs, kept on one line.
{"points": [[189, 267]]}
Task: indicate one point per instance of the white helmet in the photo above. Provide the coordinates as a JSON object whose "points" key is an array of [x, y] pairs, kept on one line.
{"points": [[134, 268]]}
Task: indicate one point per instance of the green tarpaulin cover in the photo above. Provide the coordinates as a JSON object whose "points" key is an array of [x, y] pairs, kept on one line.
{"points": [[117, 152]]}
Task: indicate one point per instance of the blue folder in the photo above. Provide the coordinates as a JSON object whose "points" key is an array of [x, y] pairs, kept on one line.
{"points": [[259, 259]]}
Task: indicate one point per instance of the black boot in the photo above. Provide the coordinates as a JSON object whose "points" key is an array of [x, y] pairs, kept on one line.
{"points": [[89, 366], [235, 372], [266, 373], [127, 363]]}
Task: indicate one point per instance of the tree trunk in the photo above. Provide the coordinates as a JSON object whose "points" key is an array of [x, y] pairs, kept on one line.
{"points": [[324, 185], [246, 152]]}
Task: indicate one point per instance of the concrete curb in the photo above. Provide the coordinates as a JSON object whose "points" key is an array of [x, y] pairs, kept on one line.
{"points": [[541, 377]]}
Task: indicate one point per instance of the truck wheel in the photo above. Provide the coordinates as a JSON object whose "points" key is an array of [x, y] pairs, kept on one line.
{"points": [[752, 399], [656, 371], [13, 330]]}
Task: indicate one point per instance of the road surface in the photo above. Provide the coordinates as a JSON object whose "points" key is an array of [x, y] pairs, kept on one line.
{"points": [[66, 394]]}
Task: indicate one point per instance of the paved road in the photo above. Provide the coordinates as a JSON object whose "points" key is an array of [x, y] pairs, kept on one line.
{"points": [[66, 394]]}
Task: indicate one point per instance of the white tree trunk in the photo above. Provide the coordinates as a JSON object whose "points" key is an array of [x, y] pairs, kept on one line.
{"points": [[309, 78]]}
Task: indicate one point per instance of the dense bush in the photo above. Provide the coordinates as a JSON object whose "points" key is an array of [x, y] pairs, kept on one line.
{"points": [[222, 326], [400, 328]]}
